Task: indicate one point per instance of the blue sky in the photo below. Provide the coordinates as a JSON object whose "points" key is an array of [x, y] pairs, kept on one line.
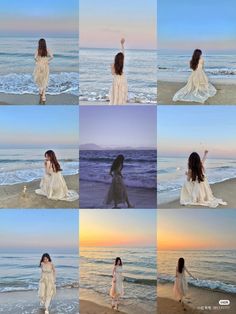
{"points": [[118, 126], [185, 24], [37, 17], [183, 129], [37, 126], [39, 230]]}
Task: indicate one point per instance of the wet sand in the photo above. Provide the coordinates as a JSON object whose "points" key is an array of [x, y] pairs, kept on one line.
{"points": [[226, 94], [11, 195]]}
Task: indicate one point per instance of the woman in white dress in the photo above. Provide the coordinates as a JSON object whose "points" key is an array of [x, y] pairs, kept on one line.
{"points": [[198, 88], [196, 189], [47, 286], [53, 185], [181, 284], [117, 287], [41, 72], [119, 89]]}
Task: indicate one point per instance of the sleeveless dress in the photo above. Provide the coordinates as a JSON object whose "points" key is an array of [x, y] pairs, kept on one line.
{"points": [[119, 91], [117, 287], [198, 88], [47, 287], [41, 70], [180, 285], [54, 187], [200, 194], [117, 192]]}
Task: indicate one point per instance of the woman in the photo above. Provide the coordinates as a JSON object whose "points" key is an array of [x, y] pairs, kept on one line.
{"points": [[198, 88], [47, 287], [117, 288], [41, 72]]}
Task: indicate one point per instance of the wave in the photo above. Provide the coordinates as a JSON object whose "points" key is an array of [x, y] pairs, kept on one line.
{"points": [[212, 71], [215, 285], [34, 160], [138, 281], [111, 159]]}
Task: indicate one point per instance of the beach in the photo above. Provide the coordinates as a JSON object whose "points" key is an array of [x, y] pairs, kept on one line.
{"points": [[11, 195], [27, 302], [224, 190], [225, 95]]}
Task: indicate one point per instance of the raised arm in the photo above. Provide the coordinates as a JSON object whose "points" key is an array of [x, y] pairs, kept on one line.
{"points": [[123, 45], [204, 156]]}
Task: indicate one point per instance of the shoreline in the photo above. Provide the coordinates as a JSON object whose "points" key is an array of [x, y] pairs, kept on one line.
{"points": [[93, 194], [102, 103], [224, 190], [225, 95], [11, 195], [31, 99]]}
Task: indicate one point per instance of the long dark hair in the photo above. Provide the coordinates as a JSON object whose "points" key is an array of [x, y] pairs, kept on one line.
{"points": [[117, 260], [117, 163], [42, 48], [45, 255], [180, 266], [196, 167], [53, 159], [119, 63], [195, 59]]}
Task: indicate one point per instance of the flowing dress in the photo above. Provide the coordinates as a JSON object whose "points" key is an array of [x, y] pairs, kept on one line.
{"points": [[41, 70], [117, 287], [54, 187], [198, 88], [180, 285], [117, 192], [119, 91], [47, 287]]}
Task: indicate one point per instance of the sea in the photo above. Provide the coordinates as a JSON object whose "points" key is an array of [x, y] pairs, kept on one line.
{"points": [[214, 269], [26, 165], [17, 65], [171, 175], [96, 78]]}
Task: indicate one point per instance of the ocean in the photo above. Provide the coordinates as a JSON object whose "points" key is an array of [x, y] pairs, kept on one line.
{"points": [[139, 167], [26, 165], [171, 175], [96, 78], [215, 269], [139, 271], [175, 67], [17, 65]]}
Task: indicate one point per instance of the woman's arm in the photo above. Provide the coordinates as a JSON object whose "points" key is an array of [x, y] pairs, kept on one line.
{"points": [[204, 156], [54, 272], [123, 45], [188, 272], [36, 55], [113, 69], [47, 165], [50, 55], [114, 274]]}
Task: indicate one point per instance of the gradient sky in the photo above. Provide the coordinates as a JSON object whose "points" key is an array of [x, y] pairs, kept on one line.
{"points": [[27, 17], [39, 230], [36, 126], [118, 126], [183, 129], [186, 25], [118, 228], [196, 229], [103, 23]]}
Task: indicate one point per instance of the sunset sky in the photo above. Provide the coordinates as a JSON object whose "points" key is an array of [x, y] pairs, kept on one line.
{"points": [[39, 230], [39, 126], [189, 229], [187, 25], [103, 23], [184, 129], [117, 228], [27, 17]]}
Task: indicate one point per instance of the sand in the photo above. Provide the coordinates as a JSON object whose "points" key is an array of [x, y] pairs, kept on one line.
{"points": [[92, 195], [226, 94], [196, 299], [11, 195], [224, 190], [88, 307], [27, 302], [27, 99]]}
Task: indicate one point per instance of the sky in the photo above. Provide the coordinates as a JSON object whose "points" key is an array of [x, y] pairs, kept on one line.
{"points": [[196, 229], [118, 228], [184, 129], [27, 17], [186, 25], [39, 230], [118, 126], [36, 126], [103, 23]]}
